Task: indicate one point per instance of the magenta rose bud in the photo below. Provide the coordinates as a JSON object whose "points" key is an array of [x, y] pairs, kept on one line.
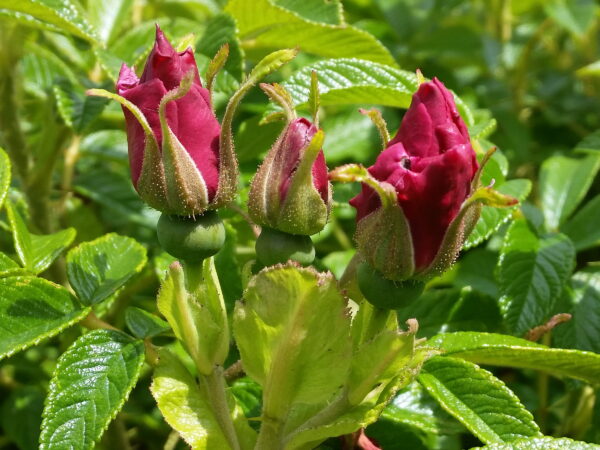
{"points": [[291, 191], [431, 165], [174, 156]]}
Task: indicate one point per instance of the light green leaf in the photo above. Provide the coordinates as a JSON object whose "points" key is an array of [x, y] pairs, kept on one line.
{"points": [[8, 266], [542, 443], [107, 16], [491, 218], [221, 30], [4, 175], [92, 380], [293, 333], [583, 227], [98, 268], [33, 309], [36, 252], [77, 109], [509, 351], [144, 324], [64, 14], [480, 401], [531, 273], [268, 26], [324, 11], [564, 182], [185, 407]]}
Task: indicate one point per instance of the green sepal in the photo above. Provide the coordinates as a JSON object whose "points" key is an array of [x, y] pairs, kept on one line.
{"points": [[192, 302]]}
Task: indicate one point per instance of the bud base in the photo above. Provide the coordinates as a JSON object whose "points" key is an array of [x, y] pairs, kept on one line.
{"points": [[274, 247], [384, 293]]}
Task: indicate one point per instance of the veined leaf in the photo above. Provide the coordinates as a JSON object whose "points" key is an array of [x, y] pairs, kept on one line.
{"points": [[77, 109], [36, 252], [144, 324], [325, 11], [33, 309], [266, 25], [541, 443], [564, 182], [64, 14], [221, 30], [89, 387], [509, 351], [531, 273], [99, 268], [480, 401]]}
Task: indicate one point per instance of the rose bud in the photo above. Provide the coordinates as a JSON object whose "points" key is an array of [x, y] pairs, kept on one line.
{"points": [[420, 200], [291, 191], [177, 165]]}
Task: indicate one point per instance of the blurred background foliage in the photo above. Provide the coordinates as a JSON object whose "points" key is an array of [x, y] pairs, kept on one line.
{"points": [[528, 72]]}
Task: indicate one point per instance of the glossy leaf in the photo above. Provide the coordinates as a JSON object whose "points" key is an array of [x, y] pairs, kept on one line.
{"points": [[92, 380], [107, 16], [32, 310], [185, 407], [4, 175], [144, 324], [64, 14], [36, 252], [531, 274], [564, 182], [583, 227], [8, 266], [269, 25], [541, 443], [98, 268], [509, 351], [492, 219], [480, 401]]}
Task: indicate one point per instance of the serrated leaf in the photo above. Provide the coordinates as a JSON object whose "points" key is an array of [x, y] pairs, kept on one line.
{"points": [[220, 30], [77, 109], [480, 401], [564, 182], [4, 175], [36, 252], [98, 268], [271, 26], [92, 380], [33, 309], [541, 443], [583, 228], [531, 274], [186, 408], [64, 14], [509, 351], [144, 324], [492, 219]]}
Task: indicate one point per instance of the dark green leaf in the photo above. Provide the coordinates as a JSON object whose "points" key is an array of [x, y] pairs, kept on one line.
{"points": [[99, 268], [583, 227], [33, 309], [221, 30], [91, 383], [77, 109], [144, 324]]}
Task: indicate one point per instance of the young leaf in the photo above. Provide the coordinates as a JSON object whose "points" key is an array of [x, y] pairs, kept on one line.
{"points": [[269, 25], [33, 309], [531, 273], [92, 380], [541, 443], [36, 252], [185, 407], [509, 351], [4, 175], [99, 268], [478, 400], [564, 182], [144, 324]]}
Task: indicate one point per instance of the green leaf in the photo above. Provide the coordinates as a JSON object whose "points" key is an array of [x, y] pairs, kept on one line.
{"points": [[36, 252], [64, 14], [98, 268], [107, 16], [564, 182], [293, 333], [480, 401], [92, 380], [77, 109], [33, 309], [144, 324], [185, 407], [324, 11], [8, 266], [269, 26], [492, 219], [4, 175], [531, 274], [221, 30], [509, 351], [542, 443], [583, 228], [22, 416], [583, 330]]}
